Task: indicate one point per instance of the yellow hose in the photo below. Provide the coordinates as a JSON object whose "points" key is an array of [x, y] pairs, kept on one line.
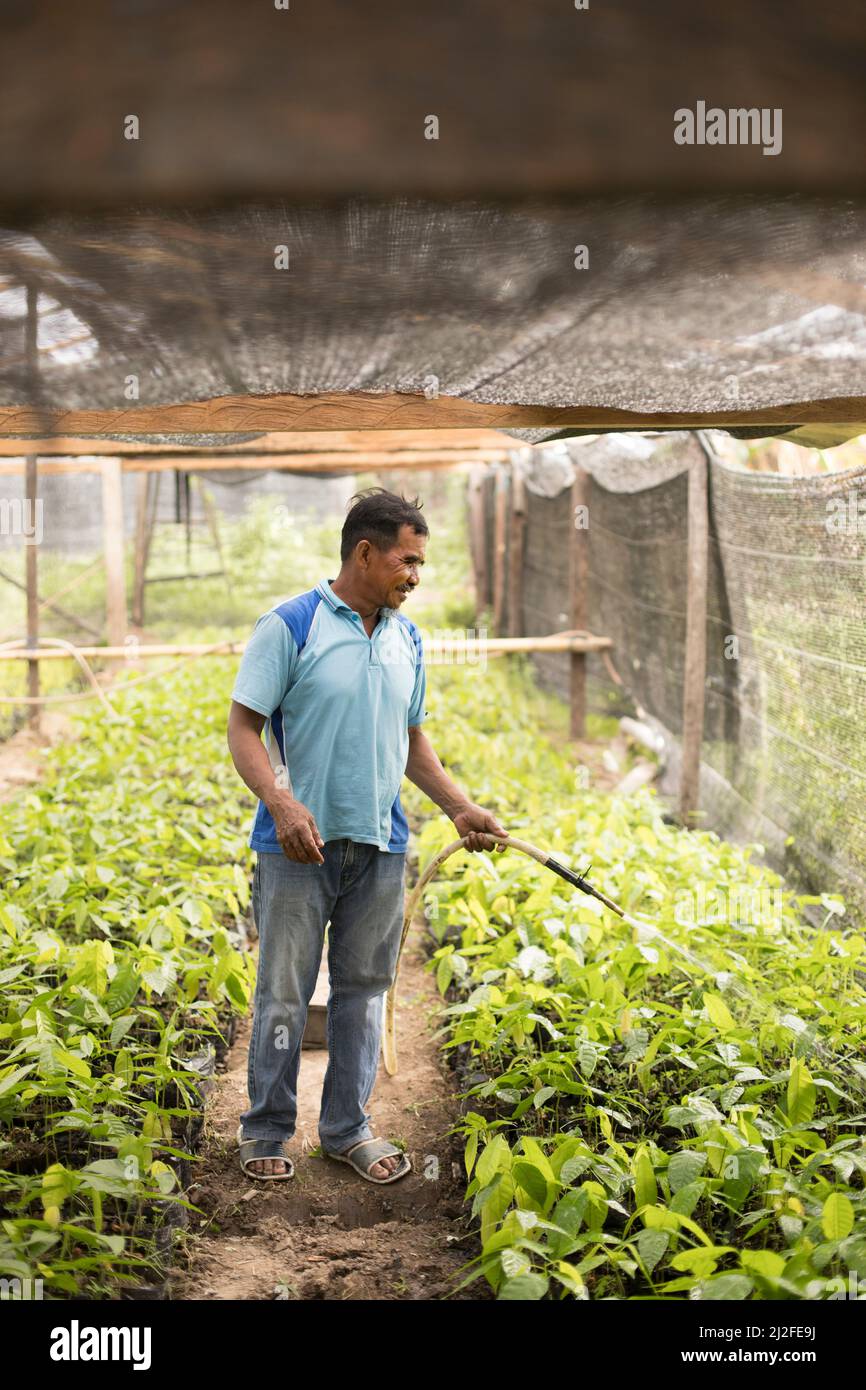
{"points": [[389, 1032]]}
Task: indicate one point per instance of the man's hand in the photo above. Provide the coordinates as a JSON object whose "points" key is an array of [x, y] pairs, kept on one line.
{"points": [[473, 821], [297, 831]]}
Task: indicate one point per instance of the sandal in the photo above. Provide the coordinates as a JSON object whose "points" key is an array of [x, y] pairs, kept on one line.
{"points": [[366, 1152], [264, 1148]]}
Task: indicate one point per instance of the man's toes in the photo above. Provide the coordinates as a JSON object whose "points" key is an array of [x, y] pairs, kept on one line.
{"points": [[268, 1165]]}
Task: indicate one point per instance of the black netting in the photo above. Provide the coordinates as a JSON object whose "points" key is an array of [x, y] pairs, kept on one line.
{"points": [[783, 758], [712, 305]]}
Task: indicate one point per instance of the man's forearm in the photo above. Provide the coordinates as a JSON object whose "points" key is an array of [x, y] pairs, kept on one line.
{"points": [[253, 765], [426, 771]]}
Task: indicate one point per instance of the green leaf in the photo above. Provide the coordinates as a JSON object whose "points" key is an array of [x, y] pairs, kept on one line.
{"points": [[684, 1167], [123, 1065], [11, 1078], [699, 1260], [725, 1287], [526, 1287], [685, 1199], [543, 1095], [718, 1012], [652, 1245], [123, 988], [76, 1065], [801, 1093], [514, 1262], [645, 1187], [532, 1180], [495, 1156], [767, 1263], [837, 1217]]}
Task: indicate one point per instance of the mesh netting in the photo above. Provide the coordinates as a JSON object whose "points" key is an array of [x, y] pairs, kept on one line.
{"points": [[783, 758], [713, 305]]}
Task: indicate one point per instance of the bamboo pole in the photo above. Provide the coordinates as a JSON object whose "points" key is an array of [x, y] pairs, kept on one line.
{"points": [[433, 646], [578, 597]]}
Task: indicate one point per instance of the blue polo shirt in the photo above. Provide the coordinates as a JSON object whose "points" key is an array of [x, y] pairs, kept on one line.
{"points": [[340, 706]]}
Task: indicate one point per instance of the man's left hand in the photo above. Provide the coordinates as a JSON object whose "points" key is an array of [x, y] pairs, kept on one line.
{"points": [[473, 822]]}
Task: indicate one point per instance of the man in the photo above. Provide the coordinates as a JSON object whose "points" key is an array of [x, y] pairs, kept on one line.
{"points": [[338, 674]]}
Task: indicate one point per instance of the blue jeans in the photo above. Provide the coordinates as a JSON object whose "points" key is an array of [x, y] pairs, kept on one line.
{"points": [[359, 890]]}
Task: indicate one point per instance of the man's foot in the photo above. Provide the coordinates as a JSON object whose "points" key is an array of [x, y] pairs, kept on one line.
{"points": [[374, 1159], [385, 1166], [265, 1158]]}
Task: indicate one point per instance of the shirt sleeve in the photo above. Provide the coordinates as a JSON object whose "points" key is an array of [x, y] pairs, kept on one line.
{"points": [[267, 666], [417, 712]]}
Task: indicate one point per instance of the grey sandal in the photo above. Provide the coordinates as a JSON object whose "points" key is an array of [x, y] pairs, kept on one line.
{"points": [[264, 1148], [366, 1152]]}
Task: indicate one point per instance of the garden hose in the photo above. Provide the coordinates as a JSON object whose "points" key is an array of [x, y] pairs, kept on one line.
{"points": [[389, 1035]]}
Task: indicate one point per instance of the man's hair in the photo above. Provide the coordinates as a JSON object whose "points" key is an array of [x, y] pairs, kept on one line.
{"points": [[376, 515]]}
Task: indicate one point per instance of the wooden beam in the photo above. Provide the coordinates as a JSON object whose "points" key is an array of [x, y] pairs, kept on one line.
{"points": [[526, 95], [442, 441], [695, 663], [500, 543], [578, 597], [389, 410], [112, 539], [516, 549], [339, 463]]}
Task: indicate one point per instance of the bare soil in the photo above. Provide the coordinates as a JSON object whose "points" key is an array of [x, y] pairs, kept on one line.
{"points": [[326, 1233], [22, 755]]}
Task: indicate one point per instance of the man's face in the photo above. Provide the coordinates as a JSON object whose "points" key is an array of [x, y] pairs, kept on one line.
{"points": [[393, 574]]}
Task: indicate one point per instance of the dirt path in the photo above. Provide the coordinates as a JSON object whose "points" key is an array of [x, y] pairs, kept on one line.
{"points": [[327, 1234]]}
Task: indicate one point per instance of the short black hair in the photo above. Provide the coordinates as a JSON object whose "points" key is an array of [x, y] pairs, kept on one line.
{"points": [[376, 515]]}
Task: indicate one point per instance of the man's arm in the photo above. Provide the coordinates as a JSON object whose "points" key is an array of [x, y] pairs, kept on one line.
{"points": [[426, 771], [296, 828]]}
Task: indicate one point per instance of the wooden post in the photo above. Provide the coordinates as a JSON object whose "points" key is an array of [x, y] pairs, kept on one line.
{"points": [[32, 584], [695, 663], [516, 550], [112, 537], [31, 529], [579, 596], [500, 542], [478, 537], [147, 486]]}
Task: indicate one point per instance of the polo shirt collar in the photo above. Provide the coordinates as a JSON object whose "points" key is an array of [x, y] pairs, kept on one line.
{"points": [[337, 604]]}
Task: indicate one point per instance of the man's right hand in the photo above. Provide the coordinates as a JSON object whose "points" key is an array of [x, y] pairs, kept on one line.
{"points": [[297, 831]]}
